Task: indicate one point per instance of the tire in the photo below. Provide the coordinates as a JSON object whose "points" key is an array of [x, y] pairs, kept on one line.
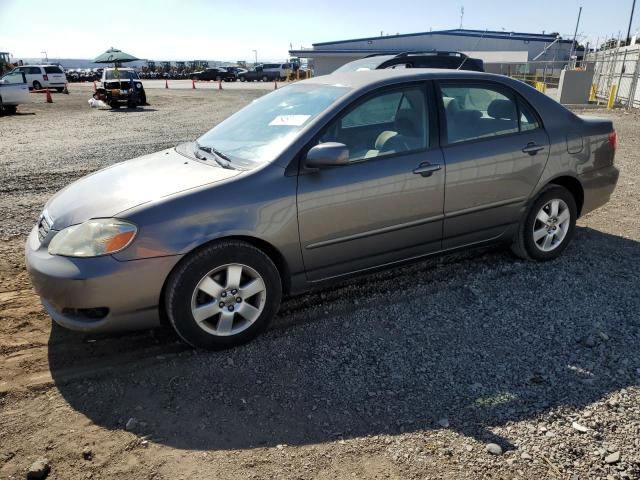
{"points": [[549, 239], [1, 107], [10, 109], [37, 85], [242, 79], [265, 78], [215, 329]]}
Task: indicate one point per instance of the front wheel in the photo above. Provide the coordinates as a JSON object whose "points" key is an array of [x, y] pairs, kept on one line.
{"points": [[549, 225], [223, 295]]}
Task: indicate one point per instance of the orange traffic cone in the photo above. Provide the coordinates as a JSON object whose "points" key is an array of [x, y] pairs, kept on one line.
{"points": [[95, 89], [66, 90], [166, 83], [193, 83], [219, 84], [275, 84], [49, 99]]}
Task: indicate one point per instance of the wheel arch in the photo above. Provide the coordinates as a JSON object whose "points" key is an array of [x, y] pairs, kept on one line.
{"points": [[267, 248], [574, 186]]}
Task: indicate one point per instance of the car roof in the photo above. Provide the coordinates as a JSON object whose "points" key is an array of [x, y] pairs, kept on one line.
{"points": [[367, 78], [119, 68]]}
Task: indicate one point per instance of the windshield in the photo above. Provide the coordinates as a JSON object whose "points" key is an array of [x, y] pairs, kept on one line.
{"points": [[120, 74], [263, 129], [363, 64]]}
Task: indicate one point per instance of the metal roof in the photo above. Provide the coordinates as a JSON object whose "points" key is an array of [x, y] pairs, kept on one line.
{"points": [[531, 37]]}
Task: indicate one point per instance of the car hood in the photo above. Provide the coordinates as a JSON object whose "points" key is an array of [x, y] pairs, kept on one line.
{"points": [[112, 190]]}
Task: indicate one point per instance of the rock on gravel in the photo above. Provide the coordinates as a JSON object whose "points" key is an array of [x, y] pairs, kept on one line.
{"points": [[39, 469], [494, 449], [613, 458], [131, 424], [580, 428]]}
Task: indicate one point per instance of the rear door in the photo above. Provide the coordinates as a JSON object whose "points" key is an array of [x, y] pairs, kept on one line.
{"points": [[386, 204], [55, 75], [495, 149]]}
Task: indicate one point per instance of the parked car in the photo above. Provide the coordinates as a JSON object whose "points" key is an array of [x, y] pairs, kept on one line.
{"points": [[435, 59], [14, 90], [259, 74], [121, 87], [329, 177], [43, 76], [216, 73]]}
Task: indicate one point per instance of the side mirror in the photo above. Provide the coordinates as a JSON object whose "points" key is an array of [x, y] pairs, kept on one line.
{"points": [[328, 154]]}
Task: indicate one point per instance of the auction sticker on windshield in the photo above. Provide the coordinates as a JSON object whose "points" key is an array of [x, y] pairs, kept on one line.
{"points": [[289, 120]]}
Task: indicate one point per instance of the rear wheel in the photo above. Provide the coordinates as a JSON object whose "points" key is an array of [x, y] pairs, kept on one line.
{"points": [[223, 295], [10, 109], [265, 78], [548, 226], [37, 85]]}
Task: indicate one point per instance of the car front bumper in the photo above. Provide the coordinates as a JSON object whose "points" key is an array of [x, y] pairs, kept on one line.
{"points": [[97, 294]]}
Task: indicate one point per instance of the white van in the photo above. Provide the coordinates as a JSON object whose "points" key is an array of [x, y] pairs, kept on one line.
{"points": [[281, 68], [43, 76]]}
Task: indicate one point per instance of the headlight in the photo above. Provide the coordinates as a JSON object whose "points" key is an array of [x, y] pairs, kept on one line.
{"points": [[93, 238]]}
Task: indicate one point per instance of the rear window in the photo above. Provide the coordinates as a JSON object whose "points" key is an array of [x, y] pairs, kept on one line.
{"points": [[53, 70]]}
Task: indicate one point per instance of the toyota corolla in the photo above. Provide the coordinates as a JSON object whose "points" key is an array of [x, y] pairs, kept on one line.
{"points": [[323, 179]]}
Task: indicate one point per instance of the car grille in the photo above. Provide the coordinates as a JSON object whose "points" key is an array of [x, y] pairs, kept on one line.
{"points": [[44, 226]]}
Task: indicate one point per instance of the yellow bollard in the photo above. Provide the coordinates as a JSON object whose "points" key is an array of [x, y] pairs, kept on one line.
{"points": [[592, 94], [288, 76], [308, 73], [612, 96], [298, 74]]}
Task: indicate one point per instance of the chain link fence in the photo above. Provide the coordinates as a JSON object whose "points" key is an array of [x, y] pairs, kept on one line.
{"points": [[616, 75]]}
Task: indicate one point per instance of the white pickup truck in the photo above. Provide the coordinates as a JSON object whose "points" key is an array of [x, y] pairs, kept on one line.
{"points": [[13, 91]]}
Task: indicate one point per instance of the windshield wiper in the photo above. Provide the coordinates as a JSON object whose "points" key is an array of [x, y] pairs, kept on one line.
{"points": [[220, 158]]}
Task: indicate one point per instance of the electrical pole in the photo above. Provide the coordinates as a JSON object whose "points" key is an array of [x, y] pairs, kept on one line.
{"points": [[255, 52], [575, 33], [624, 57]]}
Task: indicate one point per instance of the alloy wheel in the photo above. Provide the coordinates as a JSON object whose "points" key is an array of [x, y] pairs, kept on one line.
{"points": [[228, 299], [551, 225]]}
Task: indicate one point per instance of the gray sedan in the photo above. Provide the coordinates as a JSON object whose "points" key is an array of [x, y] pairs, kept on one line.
{"points": [[323, 179]]}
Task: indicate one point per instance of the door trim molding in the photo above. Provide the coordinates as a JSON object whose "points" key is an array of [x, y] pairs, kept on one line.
{"points": [[377, 231], [486, 206]]}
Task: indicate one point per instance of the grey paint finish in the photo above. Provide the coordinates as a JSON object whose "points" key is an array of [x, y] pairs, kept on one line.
{"points": [[317, 224]]}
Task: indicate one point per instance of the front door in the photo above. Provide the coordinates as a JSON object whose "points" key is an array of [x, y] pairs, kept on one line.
{"points": [[495, 150], [387, 203]]}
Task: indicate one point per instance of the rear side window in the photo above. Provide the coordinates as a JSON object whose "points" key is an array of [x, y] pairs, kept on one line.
{"points": [[474, 112], [33, 70], [528, 120], [52, 70]]}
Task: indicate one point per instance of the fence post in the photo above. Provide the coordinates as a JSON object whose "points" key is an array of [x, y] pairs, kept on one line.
{"points": [[612, 96]]}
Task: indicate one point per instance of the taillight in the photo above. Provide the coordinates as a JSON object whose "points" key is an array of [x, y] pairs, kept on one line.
{"points": [[613, 139], [45, 77]]}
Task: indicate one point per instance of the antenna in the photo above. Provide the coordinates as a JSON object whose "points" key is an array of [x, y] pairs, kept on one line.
{"points": [[461, 15], [473, 49]]}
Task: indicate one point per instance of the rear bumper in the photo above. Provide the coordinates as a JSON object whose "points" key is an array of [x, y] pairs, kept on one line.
{"points": [[72, 290], [598, 185]]}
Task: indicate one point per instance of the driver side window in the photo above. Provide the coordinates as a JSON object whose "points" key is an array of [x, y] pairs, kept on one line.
{"points": [[392, 122]]}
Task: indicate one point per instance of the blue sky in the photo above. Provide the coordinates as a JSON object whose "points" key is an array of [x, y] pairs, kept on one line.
{"points": [[231, 29]]}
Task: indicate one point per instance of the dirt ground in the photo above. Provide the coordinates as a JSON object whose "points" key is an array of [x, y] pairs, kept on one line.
{"points": [[540, 359]]}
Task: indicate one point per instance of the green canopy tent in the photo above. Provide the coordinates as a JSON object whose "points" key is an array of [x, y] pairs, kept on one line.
{"points": [[115, 56]]}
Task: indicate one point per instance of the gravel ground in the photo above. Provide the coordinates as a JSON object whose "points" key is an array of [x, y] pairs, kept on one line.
{"points": [[489, 368]]}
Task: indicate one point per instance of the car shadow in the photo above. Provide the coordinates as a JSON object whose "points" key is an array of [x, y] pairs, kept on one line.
{"points": [[479, 338], [132, 110]]}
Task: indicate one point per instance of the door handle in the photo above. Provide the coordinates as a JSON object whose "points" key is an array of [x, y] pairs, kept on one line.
{"points": [[532, 148], [426, 169]]}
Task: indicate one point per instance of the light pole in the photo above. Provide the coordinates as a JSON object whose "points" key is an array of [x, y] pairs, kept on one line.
{"points": [[624, 57], [255, 52], [46, 58]]}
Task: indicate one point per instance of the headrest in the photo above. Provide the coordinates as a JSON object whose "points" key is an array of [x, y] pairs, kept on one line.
{"points": [[502, 109], [451, 105], [468, 116]]}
